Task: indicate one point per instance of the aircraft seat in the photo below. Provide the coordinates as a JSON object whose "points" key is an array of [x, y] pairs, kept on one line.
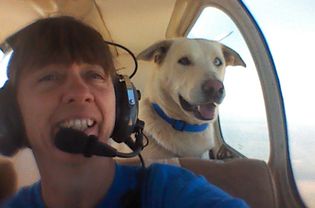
{"points": [[249, 179], [8, 179]]}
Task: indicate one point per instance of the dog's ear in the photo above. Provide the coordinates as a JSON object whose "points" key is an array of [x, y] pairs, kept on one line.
{"points": [[232, 58], [157, 51]]}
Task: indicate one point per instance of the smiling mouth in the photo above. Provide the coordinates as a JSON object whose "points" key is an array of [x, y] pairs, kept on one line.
{"points": [[78, 124], [202, 111]]}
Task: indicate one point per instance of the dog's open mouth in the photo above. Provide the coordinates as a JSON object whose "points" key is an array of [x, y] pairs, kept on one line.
{"points": [[204, 111]]}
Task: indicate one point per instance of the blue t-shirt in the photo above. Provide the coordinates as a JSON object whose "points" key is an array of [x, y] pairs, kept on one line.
{"points": [[159, 186]]}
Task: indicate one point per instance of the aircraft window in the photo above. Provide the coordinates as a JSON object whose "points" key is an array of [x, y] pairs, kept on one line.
{"points": [[290, 30], [242, 114], [3, 67]]}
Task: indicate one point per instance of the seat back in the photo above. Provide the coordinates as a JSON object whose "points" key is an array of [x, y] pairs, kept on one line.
{"points": [[248, 179], [8, 179]]}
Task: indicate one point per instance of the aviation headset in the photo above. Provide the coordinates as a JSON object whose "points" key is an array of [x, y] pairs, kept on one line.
{"points": [[11, 127]]}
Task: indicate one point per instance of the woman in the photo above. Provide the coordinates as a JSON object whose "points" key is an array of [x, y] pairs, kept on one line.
{"points": [[61, 75]]}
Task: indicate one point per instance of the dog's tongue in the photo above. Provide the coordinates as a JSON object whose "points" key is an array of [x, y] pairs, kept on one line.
{"points": [[207, 111]]}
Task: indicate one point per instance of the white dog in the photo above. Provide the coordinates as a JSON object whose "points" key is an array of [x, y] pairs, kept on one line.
{"points": [[183, 94]]}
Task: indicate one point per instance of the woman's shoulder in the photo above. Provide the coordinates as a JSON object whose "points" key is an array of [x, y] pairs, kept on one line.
{"points": [[28, 196]]}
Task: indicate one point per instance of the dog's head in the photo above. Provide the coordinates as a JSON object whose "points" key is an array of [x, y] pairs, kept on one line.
{"points": [[190, 75]]}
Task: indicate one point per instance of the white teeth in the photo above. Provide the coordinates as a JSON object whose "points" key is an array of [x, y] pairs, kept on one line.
{"points": [[84, 123], [89, 122], [71, 123], [78, 124]]}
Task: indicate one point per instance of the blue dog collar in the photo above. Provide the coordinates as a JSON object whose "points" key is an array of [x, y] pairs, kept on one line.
{"points": [[179, 124]]}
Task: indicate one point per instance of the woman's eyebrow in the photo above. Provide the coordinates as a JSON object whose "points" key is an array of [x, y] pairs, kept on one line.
{"points": [[97, 68], [94, 67], [46, 69], [50, 67]]}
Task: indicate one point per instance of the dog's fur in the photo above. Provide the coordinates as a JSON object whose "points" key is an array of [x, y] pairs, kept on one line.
{"points": [[187, 78]]}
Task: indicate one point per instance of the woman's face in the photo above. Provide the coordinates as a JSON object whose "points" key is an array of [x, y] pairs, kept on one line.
{"points": [[80, 96]]}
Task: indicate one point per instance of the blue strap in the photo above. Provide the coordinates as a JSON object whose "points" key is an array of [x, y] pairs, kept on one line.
{"points": [[179, 124]]}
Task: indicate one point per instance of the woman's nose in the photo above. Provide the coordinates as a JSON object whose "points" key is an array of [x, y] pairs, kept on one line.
{"points": [[76, 90]]}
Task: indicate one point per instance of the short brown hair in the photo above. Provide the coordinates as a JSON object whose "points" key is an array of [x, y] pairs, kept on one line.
{"points": [[57, 40]]}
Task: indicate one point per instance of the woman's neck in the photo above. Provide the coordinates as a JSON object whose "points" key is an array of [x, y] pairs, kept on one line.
{"points": [[79, 185]]}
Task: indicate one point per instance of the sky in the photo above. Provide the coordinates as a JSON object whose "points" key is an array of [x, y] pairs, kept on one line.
{"points": [[289, 27]]}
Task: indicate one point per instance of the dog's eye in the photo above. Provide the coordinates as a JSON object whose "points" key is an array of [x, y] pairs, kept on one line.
{"points": [[217, 62], [184, 61]]}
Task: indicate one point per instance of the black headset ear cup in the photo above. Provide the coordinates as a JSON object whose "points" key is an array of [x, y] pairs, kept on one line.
{"points": [[127, 107], [11, 129]]}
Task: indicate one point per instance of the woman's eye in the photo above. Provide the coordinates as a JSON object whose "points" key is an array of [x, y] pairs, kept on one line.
{"points": [[48, 77], [96, 75], [217, 62]]}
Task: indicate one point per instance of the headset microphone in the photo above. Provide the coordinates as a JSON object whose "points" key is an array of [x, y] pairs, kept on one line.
{"points": [[77, 142]]}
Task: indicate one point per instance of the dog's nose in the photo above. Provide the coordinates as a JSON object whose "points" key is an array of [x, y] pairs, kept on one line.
{"points": [[214, 90]]}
